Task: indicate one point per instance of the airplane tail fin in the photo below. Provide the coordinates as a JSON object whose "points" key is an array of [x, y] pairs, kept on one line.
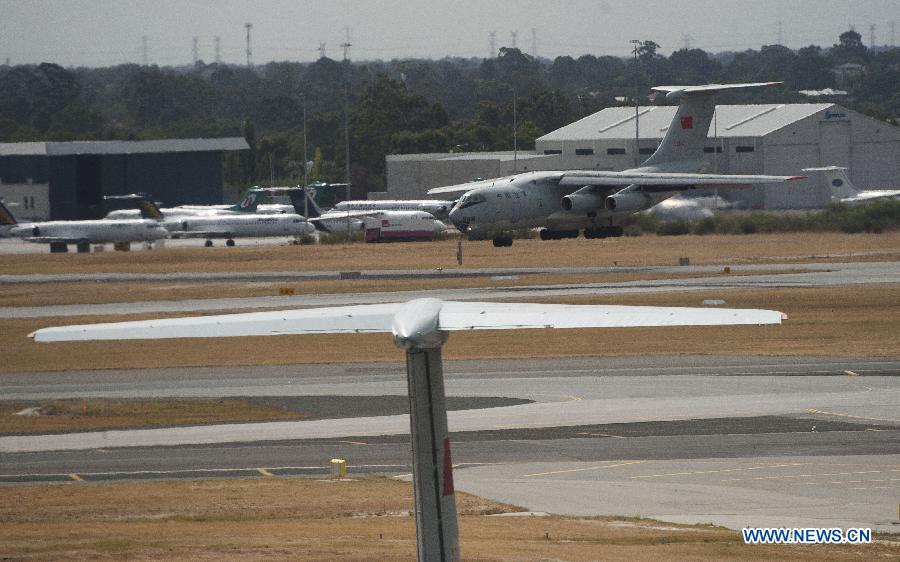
{"points": [[686, 136], [304, 203], [6, 217], [838, 181], [249, 203]]}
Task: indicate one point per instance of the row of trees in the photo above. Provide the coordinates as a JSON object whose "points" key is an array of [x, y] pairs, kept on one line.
{"points": [[399, 106]]}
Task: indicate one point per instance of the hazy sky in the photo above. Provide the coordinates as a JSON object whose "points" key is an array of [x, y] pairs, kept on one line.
{"points": [[106, 32]]}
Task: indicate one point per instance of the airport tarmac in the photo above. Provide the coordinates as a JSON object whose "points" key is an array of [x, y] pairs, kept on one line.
{"points": [[682, 438]]}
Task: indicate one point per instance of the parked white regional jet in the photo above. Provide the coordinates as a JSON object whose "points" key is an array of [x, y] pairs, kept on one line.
{"points": [[229, 227], [438, 208], [843, 190], [59, 234], [379, 225], [563, 202]]}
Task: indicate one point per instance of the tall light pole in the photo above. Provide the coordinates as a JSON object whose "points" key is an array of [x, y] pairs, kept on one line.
{"points": [[346, 45], [515, 135], [637, 130], [305, 165]]}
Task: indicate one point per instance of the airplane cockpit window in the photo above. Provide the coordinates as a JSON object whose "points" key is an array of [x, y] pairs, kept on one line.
{"points": [[470, 199]]}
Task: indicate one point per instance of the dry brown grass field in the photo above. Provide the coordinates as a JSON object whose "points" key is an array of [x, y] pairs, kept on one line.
{"points": [[306, 519]]}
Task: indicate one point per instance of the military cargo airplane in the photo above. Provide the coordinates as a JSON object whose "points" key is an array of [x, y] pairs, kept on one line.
{"points": [[564, 202]]}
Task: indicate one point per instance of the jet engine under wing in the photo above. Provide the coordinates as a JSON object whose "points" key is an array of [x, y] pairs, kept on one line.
{"points": [[665, 179], [452, 316]]}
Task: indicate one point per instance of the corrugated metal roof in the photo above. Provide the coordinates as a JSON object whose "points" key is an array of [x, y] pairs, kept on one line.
{"points": [[122, 147], [730, 121]]}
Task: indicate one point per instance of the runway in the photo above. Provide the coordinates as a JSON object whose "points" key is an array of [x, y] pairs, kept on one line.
{"points": [[590, 431]]}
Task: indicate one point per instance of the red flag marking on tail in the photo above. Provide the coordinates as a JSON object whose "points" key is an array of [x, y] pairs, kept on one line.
{"points": [[687, 122]]}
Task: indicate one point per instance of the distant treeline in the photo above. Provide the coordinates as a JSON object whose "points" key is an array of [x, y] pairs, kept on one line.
{"points": [[402, 106]]}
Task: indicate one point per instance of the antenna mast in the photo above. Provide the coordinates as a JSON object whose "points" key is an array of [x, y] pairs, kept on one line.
{"points": [[249, 26]]}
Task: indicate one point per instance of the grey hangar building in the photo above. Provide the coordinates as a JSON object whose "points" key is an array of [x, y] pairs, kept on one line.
{"points": [[776, 139], [68, 180]]}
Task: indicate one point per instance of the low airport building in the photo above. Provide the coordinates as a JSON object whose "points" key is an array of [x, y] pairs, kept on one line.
{"points": [[776, 139], [68, 180]]}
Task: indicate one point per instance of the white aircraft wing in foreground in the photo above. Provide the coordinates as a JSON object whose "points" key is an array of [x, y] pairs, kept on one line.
{"points": [[452, 316]]}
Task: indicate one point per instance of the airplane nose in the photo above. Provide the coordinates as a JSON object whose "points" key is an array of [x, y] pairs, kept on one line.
{"points": [[456, 218]]}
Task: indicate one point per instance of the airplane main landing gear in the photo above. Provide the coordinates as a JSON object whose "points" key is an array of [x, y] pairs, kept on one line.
{"points": [[208, 244], [229, 243], [502, 241]]}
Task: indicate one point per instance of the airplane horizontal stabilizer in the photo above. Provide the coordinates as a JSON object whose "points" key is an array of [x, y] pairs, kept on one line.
{"points": [[599, 178], [452, 316]]}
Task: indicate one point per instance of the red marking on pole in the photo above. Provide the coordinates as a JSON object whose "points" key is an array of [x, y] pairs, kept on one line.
{"points": [[448, 469], [687, 122]]}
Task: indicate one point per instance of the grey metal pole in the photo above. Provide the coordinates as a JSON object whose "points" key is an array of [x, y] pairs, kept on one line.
{"points": [[305, 157], [437, 533]]}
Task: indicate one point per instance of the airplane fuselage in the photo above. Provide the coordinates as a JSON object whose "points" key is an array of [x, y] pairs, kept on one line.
{"points": [[92, 231], [534, 200], [235, 226]]}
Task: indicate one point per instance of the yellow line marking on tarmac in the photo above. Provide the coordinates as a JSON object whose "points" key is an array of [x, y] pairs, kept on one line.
{"points": [[583, 469], [788, 476], [600, 435], [743, 469], [265, 472], [101, 450], [838, 414], [76, 478], [354, 442], [851, 373]]}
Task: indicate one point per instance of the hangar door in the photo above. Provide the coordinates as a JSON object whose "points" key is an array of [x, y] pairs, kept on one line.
{"points": [[834, 143]]}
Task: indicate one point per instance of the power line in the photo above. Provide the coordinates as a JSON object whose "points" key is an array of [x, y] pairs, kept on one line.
{"points": [[780, 33], [218, 50], [871, 35], [493, 43], [195, 50], [513, 35], [321, 49], [893, 42]]}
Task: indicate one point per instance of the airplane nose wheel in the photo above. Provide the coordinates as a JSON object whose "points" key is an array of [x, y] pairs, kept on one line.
{"points": [[208, 244], [229, 243]]}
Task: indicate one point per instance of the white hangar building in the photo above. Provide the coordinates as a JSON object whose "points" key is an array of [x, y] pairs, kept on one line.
{"points": [[777, 139]]}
